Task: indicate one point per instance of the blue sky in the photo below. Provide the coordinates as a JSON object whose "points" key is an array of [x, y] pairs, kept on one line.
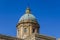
{"points": [[47, 13]]}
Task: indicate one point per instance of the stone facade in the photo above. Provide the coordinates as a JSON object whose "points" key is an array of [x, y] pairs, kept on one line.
{"points": [[5, 37], [31, 37], [29, 28]]}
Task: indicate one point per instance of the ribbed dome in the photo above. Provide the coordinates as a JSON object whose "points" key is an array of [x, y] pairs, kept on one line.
{"points": [[27, 17]]}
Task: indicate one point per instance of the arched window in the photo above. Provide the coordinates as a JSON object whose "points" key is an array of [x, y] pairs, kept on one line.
{"points": [[25, 29], [33, 30]]}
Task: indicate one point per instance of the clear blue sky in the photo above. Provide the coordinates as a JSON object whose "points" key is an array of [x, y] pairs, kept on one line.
{"points": [[47, 13]]}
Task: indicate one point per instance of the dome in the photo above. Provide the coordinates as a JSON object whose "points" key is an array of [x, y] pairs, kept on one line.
{"points": [[27, 17]]}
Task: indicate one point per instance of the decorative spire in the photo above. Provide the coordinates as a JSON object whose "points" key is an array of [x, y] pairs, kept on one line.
{"points": [[28, 10]]}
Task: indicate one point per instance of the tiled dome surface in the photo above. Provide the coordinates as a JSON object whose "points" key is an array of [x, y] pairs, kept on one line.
{"points": [[27, 17]]}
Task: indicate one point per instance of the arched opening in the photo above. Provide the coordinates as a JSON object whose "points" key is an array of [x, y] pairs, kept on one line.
{"points": [[25, 29], [33, 30]]}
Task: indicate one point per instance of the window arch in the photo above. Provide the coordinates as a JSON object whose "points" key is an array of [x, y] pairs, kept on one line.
{"points": [[25, 29], [33, 30]]}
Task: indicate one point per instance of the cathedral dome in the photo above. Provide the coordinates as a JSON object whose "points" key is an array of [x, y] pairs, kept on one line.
{"points": [[27, 17]]}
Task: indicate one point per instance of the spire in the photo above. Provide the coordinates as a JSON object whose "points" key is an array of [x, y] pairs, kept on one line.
{"points": [[28, 10]]}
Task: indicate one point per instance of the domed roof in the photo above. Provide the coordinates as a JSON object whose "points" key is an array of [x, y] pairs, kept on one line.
{"points": [[27, 17]]}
